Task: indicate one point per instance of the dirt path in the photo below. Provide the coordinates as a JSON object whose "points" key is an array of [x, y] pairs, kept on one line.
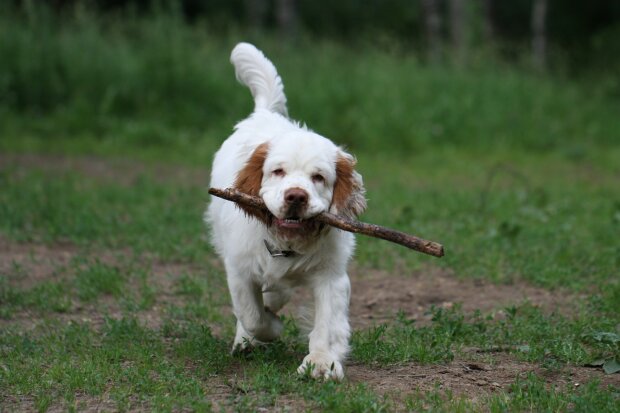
{"points": [[114, 170], [378, 296]]}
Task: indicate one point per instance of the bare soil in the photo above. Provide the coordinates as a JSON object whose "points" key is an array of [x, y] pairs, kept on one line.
{"points": [[378, 296], [473, 377]]}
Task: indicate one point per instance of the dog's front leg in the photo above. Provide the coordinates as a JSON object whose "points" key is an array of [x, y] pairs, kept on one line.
{"points": [[329, 339], [254, 322]]}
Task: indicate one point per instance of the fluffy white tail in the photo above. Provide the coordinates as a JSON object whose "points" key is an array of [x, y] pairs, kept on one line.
{"points": [[255, 71]]}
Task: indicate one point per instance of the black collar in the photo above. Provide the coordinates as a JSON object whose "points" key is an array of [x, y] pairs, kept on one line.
{"points": [[279, 253]]}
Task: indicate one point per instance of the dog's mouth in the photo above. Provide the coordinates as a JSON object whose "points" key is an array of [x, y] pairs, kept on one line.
{"points": [[291, 223], [295, 226]]}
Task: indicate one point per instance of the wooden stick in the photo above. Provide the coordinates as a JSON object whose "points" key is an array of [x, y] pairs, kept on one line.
{"points": [[345, 224]]}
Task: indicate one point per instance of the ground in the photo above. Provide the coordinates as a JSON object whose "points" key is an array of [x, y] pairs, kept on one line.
{"points": [[158, 300]]}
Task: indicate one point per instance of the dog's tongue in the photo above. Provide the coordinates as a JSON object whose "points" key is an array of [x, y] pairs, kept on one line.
{"points": [[289, 223]]}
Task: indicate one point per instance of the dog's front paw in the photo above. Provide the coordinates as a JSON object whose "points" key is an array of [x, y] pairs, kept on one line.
{"points": [[244, 342], [322, 365]]}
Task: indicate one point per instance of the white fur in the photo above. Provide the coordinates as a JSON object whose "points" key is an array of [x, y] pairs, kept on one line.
{"points": [[255, 71], [259, 283]]}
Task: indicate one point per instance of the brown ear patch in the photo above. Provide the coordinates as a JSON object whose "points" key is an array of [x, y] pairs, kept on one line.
{"points": [[250, 178], [348, 197]]}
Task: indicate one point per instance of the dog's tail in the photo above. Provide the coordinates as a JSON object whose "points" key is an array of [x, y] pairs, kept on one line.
{"points": [[255, 71]]}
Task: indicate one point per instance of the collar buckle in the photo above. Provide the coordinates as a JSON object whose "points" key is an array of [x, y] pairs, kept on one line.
{"points": [[278, 253]]}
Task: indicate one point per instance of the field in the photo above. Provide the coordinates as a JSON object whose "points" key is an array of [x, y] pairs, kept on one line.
{"points": [[111, 297]]}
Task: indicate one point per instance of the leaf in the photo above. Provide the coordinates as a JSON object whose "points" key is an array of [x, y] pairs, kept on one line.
{"points": [[596, 363], [611, 366]]}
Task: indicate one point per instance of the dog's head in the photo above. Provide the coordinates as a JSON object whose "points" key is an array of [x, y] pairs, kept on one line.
{"points": [[299, 176]]}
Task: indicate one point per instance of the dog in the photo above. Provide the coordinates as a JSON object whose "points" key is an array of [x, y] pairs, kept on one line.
{"points": [[299, 174]]}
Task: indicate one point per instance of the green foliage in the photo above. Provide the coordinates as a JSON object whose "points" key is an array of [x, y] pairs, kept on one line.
{"points": [[154, 83], [581, 36]]}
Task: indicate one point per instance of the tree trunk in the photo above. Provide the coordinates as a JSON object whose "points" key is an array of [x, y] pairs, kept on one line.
{"points": [[256, 10], [286, 16], [539, 34], [458, 31], [432, 25], [488, 27]]}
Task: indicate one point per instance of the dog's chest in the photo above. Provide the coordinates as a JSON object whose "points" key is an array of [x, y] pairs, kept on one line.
{"points": [[288, 271]]}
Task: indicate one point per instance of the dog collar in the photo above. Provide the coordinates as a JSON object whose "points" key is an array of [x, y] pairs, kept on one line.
{"points": [[278, 253]]}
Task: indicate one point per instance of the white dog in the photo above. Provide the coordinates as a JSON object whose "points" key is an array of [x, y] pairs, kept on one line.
{"points": [[299, 174]]}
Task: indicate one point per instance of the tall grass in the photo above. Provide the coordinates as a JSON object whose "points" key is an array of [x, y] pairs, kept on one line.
{"points": [[157, 81]]}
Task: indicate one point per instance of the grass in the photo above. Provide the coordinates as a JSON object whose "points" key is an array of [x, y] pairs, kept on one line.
{"points": [[81, 211], [515, 173], [148, 83], [526, 394], [533, 335]]}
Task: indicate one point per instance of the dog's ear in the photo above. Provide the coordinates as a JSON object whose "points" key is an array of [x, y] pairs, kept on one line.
{"points": [[250, 178], [348, 199]]}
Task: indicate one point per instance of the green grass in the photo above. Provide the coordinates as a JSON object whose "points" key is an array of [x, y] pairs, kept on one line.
{"points": [[515, 173], [175, 366], [144, 215], [146, 84], [501, 216], [525, 395], [61, 361], [532, 335]]}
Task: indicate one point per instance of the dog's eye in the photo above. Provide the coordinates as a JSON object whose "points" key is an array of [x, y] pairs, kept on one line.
{"points": [[318, 179], [278, 172]]}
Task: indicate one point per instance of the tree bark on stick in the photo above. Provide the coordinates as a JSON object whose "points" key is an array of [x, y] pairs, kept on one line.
{"points": [[410, 241]]}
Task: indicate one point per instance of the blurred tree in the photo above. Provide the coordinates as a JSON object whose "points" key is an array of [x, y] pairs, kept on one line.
{"points": [[572, 34], [256, 11], [488, 31], [539, 34], [286, 16], [458, 31], [432, 20]]}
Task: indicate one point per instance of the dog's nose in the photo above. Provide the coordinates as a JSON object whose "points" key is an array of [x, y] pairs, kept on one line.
{"points": [[296, 196]]}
